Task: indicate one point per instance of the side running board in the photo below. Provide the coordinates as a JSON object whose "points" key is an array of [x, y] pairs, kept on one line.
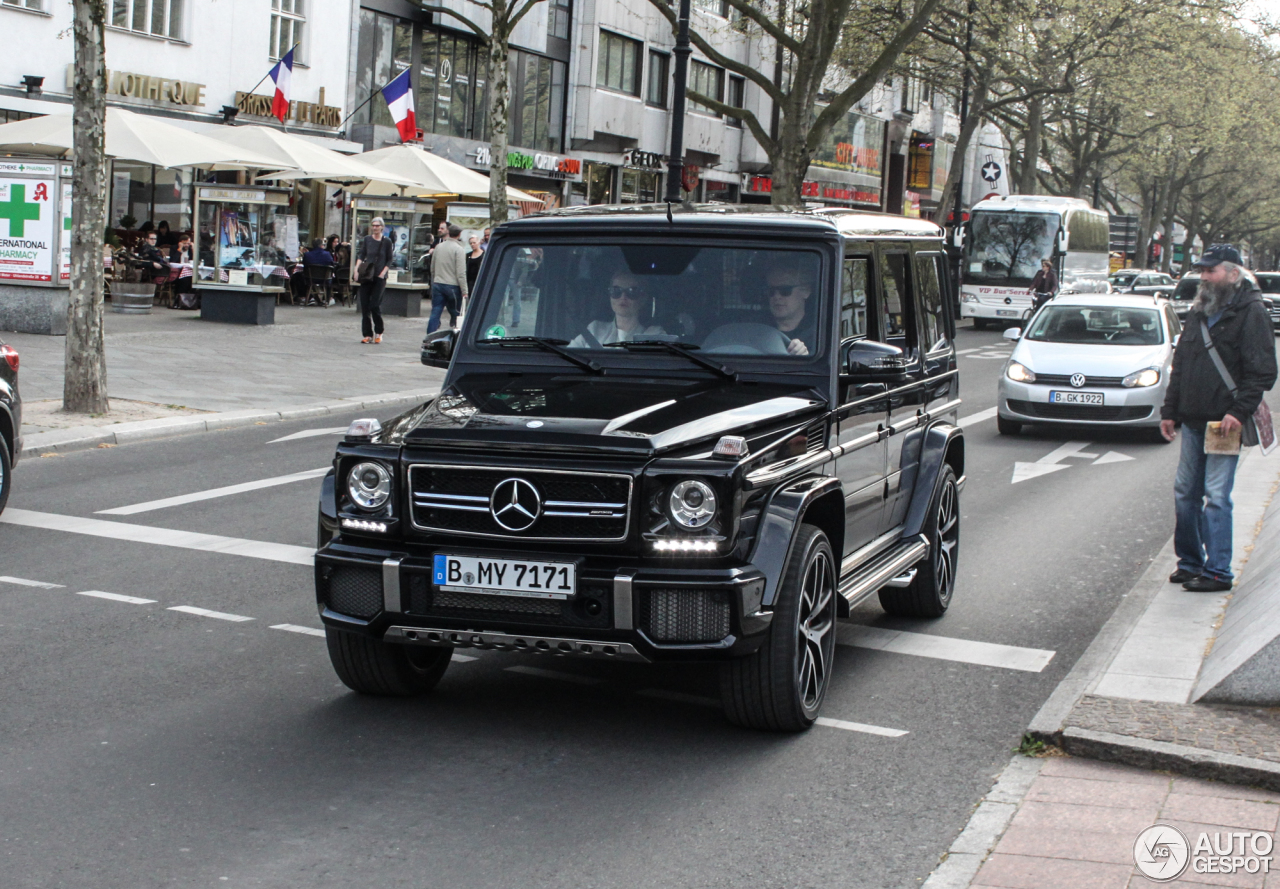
{"points": [[883, 570]]}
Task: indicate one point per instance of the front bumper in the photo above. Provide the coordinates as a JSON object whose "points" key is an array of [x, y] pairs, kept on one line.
{"points": [[1011, 311], [1029, 403], [624, 610]]}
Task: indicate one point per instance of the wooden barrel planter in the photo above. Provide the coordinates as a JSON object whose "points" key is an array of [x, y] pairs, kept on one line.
{"points": [[132, 299]]}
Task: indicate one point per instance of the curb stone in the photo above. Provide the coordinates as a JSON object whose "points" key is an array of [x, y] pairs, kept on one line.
{"points": [[81, 438], [1194, 762]]}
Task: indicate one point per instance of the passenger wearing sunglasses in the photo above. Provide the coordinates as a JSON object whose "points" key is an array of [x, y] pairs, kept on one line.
{"points": [[632, 308], [787, 299]]}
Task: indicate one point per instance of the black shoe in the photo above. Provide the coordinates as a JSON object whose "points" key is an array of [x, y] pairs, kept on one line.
{"points": [[1182, 576], [1207, 584]]}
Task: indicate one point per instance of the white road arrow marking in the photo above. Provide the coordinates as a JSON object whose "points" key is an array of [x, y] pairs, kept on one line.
{"points": [[1024, 471], [1051, 462], [310, 433], [1112, 457]]}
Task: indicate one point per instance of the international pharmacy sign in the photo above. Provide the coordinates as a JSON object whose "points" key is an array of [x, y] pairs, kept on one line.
{"points": [[35, 221]]}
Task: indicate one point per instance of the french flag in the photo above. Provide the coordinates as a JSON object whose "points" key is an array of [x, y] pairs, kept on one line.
{"points": [[400, 103], [280, 75]]}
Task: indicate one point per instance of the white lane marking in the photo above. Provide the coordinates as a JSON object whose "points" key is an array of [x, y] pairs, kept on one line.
{"points": [[678, 696], [945, 648], [860, 727], [116, 597], [232, 546], [295, 628], [39, 584], [1024, 471], [556, 674], [205, 612], [1051, 462], [978, 417], [992, 356], [210, 494], [1111, 457], [310, 433]]}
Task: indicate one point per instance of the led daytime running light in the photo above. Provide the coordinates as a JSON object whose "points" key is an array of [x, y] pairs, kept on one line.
{"points": [[361, 525], [686, 545]]}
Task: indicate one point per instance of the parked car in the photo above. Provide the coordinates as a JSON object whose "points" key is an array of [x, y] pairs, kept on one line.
{"points": [[645, 467], [10, 419], [1184, 294], [1090, 359], [1269, 284], [1139, 281]]}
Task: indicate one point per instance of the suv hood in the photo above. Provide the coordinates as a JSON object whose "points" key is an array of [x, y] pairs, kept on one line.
{"points": [[596, 414]]}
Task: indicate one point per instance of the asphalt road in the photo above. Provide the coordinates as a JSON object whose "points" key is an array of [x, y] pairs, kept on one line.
{"points": [[143, 746]]}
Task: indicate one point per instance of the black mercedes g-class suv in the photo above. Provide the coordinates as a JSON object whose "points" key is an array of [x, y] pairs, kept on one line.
{"points": [[703, 433]]}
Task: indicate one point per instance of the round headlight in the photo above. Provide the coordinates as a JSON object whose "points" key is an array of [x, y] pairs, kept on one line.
{"points": [[369, 485], [1020, 374], [692, 504], [1140, 378]]}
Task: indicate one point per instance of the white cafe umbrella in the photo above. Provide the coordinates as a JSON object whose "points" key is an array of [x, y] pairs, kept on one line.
{"points": [[134, 137], [433, 174], [299, 157]]}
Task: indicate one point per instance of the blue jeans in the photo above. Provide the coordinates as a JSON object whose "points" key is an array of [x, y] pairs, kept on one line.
{"points": [[444, 296], [1202, 501]]}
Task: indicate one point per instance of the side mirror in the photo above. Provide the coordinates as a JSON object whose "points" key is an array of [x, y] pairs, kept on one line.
{"points": [[1013, 333], [871, 362], [1062, 242], [437, 348]]}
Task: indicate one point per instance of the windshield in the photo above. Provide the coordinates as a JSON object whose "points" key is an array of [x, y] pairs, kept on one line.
{"points": [[1097, 325], [1186, 289], [1269, 283], [1006, 247], [717, 299], [1124, 278]]}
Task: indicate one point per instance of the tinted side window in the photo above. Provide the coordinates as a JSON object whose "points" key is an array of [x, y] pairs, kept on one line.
{"points": [[896, 320], [933, 322], [854, 284]]}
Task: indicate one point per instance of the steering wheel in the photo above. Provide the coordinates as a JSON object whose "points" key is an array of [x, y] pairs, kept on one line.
{"points": [[746, 339]]}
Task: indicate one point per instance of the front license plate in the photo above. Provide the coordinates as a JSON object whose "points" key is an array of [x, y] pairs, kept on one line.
{"points": [[505, 577], [1007, 313], [1075, 397]]}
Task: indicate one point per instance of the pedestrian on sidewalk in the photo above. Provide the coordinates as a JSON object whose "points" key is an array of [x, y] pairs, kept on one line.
{"points": [[372, 263], [448, 278], [1229, 306]]}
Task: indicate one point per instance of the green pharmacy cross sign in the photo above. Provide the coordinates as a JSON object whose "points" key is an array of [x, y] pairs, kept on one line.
{"points": [[18, 211]]}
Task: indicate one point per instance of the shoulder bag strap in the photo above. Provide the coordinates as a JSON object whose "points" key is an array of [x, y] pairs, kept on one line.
{"points": [[1217, 359]]}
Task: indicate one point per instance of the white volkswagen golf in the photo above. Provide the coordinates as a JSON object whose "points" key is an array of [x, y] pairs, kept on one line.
{"points": [[1090, 359]]}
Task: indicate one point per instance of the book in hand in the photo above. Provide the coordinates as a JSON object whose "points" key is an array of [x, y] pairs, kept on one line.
{"points": [[1218, 442]]}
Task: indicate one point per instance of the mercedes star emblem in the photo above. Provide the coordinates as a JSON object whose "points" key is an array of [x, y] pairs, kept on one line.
{"points": [[515, 504], [1078, 380]]}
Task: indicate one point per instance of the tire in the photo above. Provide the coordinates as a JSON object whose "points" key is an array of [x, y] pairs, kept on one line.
{"points": [[979, 324], [373, 667], [930, 593], [6, 472], [1007, 427], [780, 687]]}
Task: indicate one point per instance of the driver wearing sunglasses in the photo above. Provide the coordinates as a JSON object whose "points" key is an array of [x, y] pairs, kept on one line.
{"points": [[787, 299], [632, 307]]}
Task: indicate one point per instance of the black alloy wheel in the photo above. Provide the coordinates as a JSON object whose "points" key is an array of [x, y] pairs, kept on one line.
{"points": [[373, 667], [929, 595], [780, 687]]}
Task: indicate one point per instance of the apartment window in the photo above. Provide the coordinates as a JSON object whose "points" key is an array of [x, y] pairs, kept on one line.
{"points": [[537, 101], [708, 80], [37, 5], [619, 63], [160, 18], [558, 19], [715, 7], [659, 78], [288, 19], [737, 92]]}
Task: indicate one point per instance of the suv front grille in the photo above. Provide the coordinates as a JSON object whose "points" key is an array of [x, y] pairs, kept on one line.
{"points": [[426, 600], [1085, 413], [685, 615], [573, 505]]}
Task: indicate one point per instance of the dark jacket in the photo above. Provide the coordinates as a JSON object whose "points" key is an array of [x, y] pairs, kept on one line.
{"points": [[1044, 282], [375, 253], [318, 256], [1244, 339]]}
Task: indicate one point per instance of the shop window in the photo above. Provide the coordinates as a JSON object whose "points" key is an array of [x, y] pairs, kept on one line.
{"points": [[639, 187], [618, 67], [708, 80], [737, 93], [920, 164], [659, 77], [149, 194], [288, 19], [537, 101], [719, 192], [599, 181], [160, 18], [452, 88], [558, 19]]}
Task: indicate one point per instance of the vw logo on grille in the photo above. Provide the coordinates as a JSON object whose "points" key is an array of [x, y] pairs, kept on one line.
{"points": [[1078, 380], [515, 504]]}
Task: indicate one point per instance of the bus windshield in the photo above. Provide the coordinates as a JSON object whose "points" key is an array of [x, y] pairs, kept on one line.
{"points": [[1006, 246]]}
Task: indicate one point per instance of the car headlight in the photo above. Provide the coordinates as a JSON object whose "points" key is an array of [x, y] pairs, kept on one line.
{"points": [[369, 485], [1139, 378], [692, 504], [1019, 374], [968, 298]]}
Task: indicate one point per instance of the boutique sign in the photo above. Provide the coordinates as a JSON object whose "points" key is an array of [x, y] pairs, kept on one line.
{"points": [[550, 165]]}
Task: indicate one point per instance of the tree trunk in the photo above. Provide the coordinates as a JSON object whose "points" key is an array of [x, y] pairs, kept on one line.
{"points": [[1193, 231], [950, 199], [790, 160], [85, 377], [1148, 193], [1171, 195], [1031, 147], [499, 103]]}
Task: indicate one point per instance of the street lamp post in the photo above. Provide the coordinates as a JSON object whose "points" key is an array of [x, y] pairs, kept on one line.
{"points": [[675, 163]]}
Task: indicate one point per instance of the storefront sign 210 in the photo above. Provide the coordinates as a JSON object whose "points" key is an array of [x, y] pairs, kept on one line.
{"points": [[517, 160]]}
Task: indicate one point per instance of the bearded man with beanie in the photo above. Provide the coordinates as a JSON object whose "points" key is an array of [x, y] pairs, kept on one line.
{"points": [[1229, 305]]}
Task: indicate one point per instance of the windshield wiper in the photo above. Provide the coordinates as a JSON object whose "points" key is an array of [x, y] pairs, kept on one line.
{"points": [[685, 349], [550, 345]]}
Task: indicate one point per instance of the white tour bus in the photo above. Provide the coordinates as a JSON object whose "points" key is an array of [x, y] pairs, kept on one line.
{"points": [[1007, 237]]}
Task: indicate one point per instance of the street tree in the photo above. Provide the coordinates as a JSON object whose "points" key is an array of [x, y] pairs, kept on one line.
{"points": [[806, 37], [85, 379]]}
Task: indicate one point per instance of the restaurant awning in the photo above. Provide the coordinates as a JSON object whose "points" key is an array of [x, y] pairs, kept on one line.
{"points": [[435, 176], [297, 158], [143, 138]]}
